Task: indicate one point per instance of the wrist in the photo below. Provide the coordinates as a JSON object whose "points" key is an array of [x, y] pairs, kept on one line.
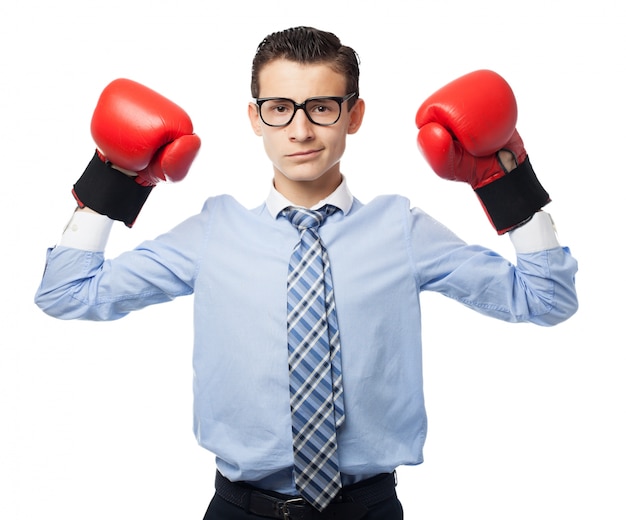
{"points": [[538, 234], [108, 191], [85, 209], [507, 160], [514, 198], [87, 230]]}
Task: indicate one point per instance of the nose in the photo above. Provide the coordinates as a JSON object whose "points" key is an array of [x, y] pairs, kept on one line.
{"points": [[300, 128]]}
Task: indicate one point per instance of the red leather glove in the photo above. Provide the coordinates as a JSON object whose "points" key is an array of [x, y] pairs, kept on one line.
{"points": [[141, 133], [462, 127]]}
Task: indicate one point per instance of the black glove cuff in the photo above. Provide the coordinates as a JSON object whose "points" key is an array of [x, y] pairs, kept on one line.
{"points": [[110, 192], [512, 200]]}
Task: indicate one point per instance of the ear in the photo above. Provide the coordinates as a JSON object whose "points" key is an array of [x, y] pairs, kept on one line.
{"points": [[356, 116], [255, 120]]}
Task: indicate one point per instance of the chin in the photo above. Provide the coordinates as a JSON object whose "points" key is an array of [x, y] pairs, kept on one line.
{"points": [[303, 176]]}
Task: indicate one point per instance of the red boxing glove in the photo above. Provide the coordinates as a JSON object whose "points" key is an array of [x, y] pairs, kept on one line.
{"points": [[137, 131], [462, 127]]}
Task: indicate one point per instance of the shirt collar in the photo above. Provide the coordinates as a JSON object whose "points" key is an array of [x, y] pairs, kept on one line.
{"points": [[341, 198]]}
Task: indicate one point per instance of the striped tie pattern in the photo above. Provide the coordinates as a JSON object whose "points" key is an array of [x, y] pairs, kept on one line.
{"points": [[317, 409]]}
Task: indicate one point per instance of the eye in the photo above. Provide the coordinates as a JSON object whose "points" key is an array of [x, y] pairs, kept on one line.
{"points": [[278, 106], [323, 110], [322, 106]]}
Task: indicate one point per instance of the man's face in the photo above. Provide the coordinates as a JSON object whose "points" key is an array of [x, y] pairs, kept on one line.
{"points": [[305, 156]]}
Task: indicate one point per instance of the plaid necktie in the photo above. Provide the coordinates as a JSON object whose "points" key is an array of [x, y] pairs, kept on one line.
{"points": [[317, 409]]}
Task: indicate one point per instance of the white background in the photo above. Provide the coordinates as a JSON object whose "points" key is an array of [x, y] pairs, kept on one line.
{"points": [[525, 422]]}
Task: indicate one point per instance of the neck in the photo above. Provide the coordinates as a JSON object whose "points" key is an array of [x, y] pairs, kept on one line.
{"points": [[307, 193]]}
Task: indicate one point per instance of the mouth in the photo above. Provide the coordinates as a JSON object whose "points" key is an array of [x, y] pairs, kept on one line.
{"points": [[305, 154]]}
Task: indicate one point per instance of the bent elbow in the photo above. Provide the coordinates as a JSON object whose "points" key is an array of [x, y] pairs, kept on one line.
{"points": [[561, 310], [51, 305]]}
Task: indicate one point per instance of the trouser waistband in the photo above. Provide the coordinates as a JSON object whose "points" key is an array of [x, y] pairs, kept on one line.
{"points": [[352, 502]]}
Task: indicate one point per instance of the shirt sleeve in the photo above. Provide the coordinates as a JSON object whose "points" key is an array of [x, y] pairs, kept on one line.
{"points": [[79, 283], [538, 288]]}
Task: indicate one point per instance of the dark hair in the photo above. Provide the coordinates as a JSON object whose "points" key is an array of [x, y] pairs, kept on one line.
{"points": [[307, 45]]}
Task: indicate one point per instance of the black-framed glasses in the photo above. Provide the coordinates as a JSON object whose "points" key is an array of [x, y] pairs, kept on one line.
{"points": [[323, 110]]}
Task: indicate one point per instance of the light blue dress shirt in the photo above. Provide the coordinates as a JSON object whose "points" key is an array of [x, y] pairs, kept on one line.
{"points": [[235, 261]]}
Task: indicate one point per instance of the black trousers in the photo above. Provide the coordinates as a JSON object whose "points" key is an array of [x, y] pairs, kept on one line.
{"points": [[219, 509]]}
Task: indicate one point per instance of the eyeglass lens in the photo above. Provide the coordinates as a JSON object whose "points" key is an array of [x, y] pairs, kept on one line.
{"points": [[279, 112]]}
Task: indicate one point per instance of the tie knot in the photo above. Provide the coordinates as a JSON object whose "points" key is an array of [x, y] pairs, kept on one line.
{"points": [[308, 218]]}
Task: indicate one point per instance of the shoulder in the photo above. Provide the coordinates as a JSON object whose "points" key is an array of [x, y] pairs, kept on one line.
{"points": [[227, 205], [382, 203], [224, 211], [383, 207], [396, 210], [222, 203]]}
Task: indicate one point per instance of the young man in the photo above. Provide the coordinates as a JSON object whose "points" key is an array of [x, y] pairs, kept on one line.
{"points": [[319, 355]]}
